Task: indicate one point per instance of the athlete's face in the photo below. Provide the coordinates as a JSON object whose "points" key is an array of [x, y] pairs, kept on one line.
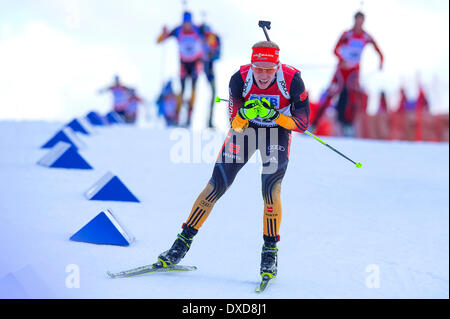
{"points": [[359, 21], [264, 73], [187, 26]]}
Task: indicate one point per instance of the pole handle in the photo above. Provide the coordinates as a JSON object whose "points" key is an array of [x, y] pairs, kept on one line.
{"points": [[265, 25]]}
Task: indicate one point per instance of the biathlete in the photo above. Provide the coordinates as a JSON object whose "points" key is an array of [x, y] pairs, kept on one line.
{"points": [[267, 101], [190, 44], [121, 94], [345, 81]]}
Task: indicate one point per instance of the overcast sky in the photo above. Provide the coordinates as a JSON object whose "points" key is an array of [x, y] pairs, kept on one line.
{"points": [[56, 54]]}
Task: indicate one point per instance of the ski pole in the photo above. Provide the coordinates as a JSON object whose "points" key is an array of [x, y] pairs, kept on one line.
{"points": [[358, 164], [218, 99]]}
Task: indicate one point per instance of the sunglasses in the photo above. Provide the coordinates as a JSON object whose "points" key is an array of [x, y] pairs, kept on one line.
{"points": [[260, 70]]}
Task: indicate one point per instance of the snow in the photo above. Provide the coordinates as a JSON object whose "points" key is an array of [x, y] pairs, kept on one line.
{"points": [[381, 231]]}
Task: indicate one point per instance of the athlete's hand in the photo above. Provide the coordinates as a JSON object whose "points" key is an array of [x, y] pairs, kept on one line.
{"points": [[249, 110], [239, 124], [267, 110], [163, 35]]}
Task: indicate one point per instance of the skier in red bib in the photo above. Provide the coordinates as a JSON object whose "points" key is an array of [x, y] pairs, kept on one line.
{"points": [[267, 101], [345, 82]]}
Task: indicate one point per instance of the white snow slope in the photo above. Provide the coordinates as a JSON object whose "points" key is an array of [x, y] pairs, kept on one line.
{"points": [[381, 231]]}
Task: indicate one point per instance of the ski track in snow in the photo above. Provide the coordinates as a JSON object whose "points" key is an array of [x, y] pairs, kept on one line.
{"points": [[337, 220]]}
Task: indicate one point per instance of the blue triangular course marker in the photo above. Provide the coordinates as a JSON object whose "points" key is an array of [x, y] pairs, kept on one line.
{"points": [[34, 285], [10, 288], [104, 229], [110, 188], [64, 135], [77, 126], [64, 155], [96, 119], [114, 118]]}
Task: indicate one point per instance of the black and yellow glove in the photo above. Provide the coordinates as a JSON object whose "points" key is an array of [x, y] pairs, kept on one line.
{"points": [[250, 109], [267, 111], [246, 112]]}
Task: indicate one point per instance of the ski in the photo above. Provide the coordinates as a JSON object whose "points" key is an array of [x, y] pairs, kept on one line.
{"points": [[263, 284], [149, 269]]}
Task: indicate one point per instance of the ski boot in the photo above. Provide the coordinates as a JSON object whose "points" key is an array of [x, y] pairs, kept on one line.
{"points": [[178, 250], [269, 260]]}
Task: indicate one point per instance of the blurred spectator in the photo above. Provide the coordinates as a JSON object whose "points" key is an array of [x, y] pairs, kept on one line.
{"points": [[382, 119], [402, 119], [190, 44], [357, 115], [427, 126], [382, 105]]}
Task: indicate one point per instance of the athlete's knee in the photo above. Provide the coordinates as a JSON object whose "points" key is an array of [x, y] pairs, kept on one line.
{"points": [[194, 82], [271, 185], [183, 83], [219, 184]]}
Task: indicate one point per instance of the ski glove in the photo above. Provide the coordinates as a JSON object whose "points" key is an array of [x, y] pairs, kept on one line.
{"points": [[250, 109], [239, 124], [267, 111]]}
